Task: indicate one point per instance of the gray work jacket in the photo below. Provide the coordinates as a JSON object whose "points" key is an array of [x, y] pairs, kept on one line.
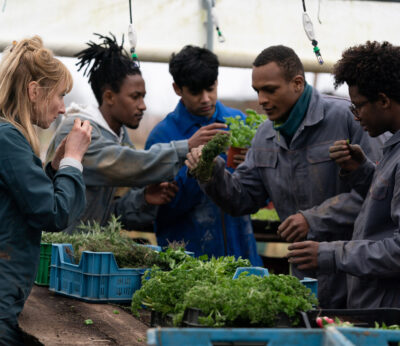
{"points": [[112, 161], [300, 176], [372, 258]]}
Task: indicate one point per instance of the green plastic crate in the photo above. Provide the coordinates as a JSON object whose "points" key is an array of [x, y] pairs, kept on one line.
{"points": [[43, 274]]}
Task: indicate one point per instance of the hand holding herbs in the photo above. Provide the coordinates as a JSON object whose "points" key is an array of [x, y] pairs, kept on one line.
{"points": [[205, 134], [243, 131], [348, 156], [204, 168]]}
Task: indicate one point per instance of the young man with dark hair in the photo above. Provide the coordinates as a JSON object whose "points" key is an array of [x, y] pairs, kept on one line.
{"points": [[191, 216], [371, 259], [289, 163], [111, 160]]}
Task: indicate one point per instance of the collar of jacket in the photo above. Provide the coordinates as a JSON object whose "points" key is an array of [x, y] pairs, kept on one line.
{"points": [[188, 120], [393, 140], [315, 113], [93, 113]]}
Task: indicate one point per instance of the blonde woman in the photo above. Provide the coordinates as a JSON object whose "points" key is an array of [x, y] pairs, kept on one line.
{"points": [[32, 86]]}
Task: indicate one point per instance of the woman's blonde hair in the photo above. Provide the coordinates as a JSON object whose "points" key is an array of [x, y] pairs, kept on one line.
{"points": [[22, 63]]}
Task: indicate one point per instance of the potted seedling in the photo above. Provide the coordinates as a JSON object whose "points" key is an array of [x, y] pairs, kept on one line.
{"points": [[242, 133]]}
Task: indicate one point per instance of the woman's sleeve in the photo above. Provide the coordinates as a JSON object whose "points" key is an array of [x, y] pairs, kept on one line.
{"points": [[47, 204]]}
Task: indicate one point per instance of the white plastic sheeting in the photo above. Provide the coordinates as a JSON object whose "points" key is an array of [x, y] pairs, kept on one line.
{"points": [[164, 26]]}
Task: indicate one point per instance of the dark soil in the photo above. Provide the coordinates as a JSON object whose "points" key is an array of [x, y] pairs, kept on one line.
{"points": [[56, 320]]}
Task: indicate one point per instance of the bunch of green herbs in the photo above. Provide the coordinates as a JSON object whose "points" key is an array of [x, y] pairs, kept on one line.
{"points": [[164, 291], [109, 238], [208, 286], [210, 151], [249, 301], [243, 131]]}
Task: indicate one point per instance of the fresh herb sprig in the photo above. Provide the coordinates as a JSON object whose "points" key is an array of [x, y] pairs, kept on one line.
{"points": [[210, 151]]}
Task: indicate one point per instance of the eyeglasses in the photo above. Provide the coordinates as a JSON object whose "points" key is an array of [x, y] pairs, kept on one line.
{"points": [[355, 109]]}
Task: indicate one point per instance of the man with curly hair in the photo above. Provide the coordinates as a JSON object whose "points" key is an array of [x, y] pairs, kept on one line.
{"points": [[371, 259]]}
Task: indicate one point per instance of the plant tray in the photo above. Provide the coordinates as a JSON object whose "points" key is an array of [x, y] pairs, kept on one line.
{"points": [[191, 320], [157, 319], [43, 274], [97, 278]]}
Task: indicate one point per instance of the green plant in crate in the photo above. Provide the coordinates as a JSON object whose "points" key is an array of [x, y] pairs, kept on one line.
{"points": [[164, 291], [96, 238], [209, 287], [265, 214], [249, 300]]}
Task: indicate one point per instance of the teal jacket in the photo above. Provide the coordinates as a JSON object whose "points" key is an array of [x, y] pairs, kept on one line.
{"points": [[30, 201]]}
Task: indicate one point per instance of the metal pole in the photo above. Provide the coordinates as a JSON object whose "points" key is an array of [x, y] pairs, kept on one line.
{"points": [[208, 4]]}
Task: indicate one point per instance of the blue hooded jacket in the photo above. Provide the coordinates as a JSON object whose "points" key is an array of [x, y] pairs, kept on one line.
{"points": [[192, 216]]}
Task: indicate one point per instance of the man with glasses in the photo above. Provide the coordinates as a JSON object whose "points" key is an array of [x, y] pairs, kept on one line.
{"points": [[355, 109], [371, 259], [289, 163]]}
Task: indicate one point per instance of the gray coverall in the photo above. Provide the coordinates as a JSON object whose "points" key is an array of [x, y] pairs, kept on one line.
{"points": [[298, 177], [372, 258]]}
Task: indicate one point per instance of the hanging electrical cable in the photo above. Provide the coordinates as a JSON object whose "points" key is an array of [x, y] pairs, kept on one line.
{"points": [[309, 29], [132, 36]]}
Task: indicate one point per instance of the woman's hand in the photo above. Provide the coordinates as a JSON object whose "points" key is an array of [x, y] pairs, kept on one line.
{"points": [[78, 140]]}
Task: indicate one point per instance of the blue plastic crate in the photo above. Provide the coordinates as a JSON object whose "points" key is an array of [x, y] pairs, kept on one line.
{"points": [[153, 247], [97, 278], [312, 284], [159, 249], [371, 337], [258, 271], [245, 336]]}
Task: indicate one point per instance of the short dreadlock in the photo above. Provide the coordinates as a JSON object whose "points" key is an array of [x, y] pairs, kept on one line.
{"points": [[107, 65], [373, 67]]}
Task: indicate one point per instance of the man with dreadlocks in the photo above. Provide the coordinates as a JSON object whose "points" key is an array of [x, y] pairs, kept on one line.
{"points": [[371, 259], [111, 160]]}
